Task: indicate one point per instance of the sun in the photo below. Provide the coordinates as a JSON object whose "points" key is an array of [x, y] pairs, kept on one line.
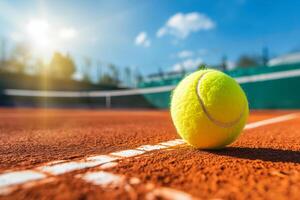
{"points": [[44, 38], [38, 31]]}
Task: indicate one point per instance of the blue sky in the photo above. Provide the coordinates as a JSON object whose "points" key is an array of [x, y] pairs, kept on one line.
{"points": [[149, 35]]}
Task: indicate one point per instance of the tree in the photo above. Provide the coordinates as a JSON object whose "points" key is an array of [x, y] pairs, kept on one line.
{"points": [[127, 72], [139, 78], [62, 66], [99, 70], [2, 53], [87, 69], [265, 56], [21, 56], [224, 63], [114, 73], [161, 73], [202, 66], [248, 61], [40, 67], [107, 79], [70, 68], [111, 77]]}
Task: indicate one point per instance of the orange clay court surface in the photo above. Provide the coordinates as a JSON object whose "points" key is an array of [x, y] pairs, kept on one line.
{"points": [[86, 154]]}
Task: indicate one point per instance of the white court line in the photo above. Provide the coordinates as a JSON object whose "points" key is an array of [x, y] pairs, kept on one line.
{"points": [[271, 121], [128, 153], [11, 179], [151, 147], [62, 168], [108, 165], [93, 161], [102, 158], [168, 193], [107, 179], [102, 178], [68, 167], [19, 177], [172, 143]]}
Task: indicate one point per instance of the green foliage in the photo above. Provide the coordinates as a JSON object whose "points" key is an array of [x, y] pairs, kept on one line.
{"points": [[107, 79], [62, 66], [248, 61], [202, 67], [111, 77], [87, 69], [127, 78], [21, 55], [114, 72]]}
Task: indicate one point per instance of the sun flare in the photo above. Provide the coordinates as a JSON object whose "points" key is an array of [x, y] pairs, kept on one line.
{"points": [[44, 38], [38, 31]]}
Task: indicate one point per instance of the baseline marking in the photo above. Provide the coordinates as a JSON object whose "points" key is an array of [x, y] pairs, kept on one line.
{"points": [[110, 180], [19, 177], [271, 121]]}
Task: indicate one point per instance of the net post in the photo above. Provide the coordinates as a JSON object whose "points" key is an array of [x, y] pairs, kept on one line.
{"points": [[108, 101]]}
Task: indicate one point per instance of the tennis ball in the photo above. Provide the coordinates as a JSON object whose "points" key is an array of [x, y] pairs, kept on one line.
{"points": [[209, 109]]}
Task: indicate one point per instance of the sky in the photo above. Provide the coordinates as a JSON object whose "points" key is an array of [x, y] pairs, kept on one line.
{"points": [[151, 35]]}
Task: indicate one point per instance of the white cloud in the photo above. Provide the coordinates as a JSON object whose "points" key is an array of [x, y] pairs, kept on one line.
{"points": [[67, 33], [161, 32], [187, 64], [142, 40], [182, 25], [190, 54], [185, 54]]}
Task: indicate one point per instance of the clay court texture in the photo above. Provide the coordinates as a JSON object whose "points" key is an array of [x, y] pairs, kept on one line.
{"points": [[122, 154]]}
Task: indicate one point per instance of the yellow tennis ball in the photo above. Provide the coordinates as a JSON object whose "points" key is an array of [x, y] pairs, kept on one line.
{"points": [[209, 109]]}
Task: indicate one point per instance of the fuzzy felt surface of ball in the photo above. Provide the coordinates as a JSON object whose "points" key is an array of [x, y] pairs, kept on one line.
{"points": [[209, 109]]}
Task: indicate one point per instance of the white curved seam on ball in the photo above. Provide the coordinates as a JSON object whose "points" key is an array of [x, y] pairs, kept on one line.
{"points": [[215, 121]]}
